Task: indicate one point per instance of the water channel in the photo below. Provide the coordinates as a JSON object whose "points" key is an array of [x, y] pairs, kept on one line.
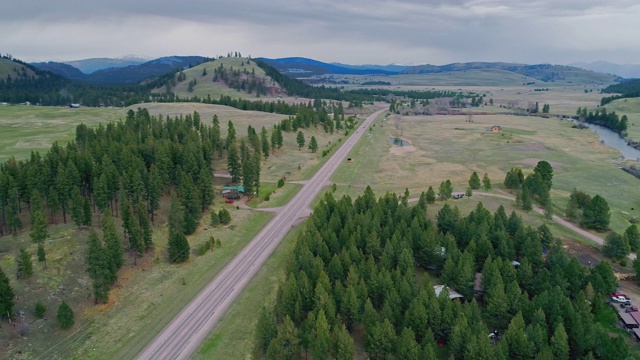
{"points": [[612, 139]]}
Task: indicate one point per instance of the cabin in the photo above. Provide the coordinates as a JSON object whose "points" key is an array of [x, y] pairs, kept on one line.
{"points": [[496, 129], [452, 293], [233, 192]]}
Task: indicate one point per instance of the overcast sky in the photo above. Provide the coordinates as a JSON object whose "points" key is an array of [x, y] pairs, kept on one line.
{"points": [[347, 31]]}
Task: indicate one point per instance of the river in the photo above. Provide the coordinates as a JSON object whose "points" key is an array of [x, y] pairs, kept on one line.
{"points": [[612, 139]]}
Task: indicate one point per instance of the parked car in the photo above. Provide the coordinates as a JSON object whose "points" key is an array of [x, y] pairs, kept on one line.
{"points": [[617, 293], [631, 309], [621, 299], [228, 201]]}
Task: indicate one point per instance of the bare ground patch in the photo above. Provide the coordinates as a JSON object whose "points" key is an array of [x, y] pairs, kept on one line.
{"points": [[534, 146], [534, 161]]}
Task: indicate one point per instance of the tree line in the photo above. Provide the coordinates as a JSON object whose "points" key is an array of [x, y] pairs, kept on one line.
{"points": [[601, 117]]}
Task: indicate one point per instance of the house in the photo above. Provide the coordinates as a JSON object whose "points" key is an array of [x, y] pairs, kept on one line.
{"points": [[495, 129], [233, 192], [452, 293]]}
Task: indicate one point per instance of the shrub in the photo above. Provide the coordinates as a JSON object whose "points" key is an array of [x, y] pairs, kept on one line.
{"points": [[40, 310]]}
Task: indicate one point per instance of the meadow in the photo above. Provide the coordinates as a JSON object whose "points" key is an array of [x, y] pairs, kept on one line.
{"points": [[34, 128]]}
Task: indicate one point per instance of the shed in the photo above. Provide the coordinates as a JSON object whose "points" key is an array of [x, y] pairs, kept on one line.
{"points": [[452, 293], [496, 128], [636, 334], [628, 320]]}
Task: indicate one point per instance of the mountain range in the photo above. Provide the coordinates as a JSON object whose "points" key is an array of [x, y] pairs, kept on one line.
{"points": [[628, 71], [300, 67], [131, 74]]}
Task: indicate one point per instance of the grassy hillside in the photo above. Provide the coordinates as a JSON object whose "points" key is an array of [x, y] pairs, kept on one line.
{"points": [[206, 86], [14, 69]]}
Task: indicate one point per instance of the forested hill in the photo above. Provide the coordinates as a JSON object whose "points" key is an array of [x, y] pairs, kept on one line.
{"points": [[357, 275], [21, 82], [626, 89]]}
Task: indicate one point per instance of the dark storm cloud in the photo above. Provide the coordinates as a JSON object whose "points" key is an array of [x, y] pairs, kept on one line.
{"points": [[407, 31]]}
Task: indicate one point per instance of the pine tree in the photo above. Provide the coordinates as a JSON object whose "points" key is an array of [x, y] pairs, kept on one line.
{"points": [[525, 199], [233, 162], [286, 345], [546, 172], [407, 347], [280, 137], [40, 310], [224, 216], [77, 214], [113, 243], [214, 219], [616, 246], [486, 182], [98, 268], [321, 337], [300, 140], [474, 181], [154, 190], [264, 142], [596, 214], [313, 144], [87, 215], [632, 236], [431, 195], [6, 295], [24, 266], [266, 330], [38, 220], [65, 316], [560, 343], [145, 226], [341, 343], [190, 205], [178, 249], [231, 136], [42, 257]]}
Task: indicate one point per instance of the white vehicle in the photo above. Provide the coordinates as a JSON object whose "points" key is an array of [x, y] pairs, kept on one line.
{"points": [[620, 299]]}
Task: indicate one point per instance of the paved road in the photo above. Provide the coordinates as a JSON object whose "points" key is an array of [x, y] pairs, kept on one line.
{"points": [[187, 330]]}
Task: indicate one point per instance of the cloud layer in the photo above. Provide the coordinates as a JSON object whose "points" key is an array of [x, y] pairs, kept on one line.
{"points": [[353, 31]]}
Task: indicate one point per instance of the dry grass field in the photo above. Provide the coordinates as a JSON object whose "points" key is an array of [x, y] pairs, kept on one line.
{"points": [[449, 147]]}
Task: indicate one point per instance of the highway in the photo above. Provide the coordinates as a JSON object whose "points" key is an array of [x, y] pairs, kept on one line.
{"points": [[191, 326]]}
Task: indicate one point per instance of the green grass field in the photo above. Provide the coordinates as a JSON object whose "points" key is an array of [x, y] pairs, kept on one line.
{"points": [[631, 108], [27, 128]]}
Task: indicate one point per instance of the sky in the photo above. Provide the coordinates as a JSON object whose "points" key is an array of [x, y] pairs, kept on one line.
{"points": [[347, 31]]}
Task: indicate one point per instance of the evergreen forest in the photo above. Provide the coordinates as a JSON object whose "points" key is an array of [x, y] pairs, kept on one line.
{"points": [[360, 277]]}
